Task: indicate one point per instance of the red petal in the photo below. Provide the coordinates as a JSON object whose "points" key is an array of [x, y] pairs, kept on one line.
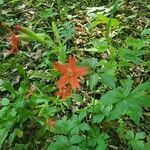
{"points": [[74, 83], [18, 27], [60, 67], [14, 40], [72, 62], [62, 81], [81, 71]]}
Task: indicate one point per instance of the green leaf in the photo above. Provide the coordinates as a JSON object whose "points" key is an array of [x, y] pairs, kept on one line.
{"points": [[76, 139], [7, 85], [103, 19], [120, 109], [62, 140], [84, 126], [5, 101], [108, 80], [93, 81], [98, 118], [129, 135], [100, 44], [46, 13], [136, 43], [145, 32], [127, 85], [21, 70], [141, 88], [67, 30], [136, 112], [140, 136], [111, 97], [90, 63]]}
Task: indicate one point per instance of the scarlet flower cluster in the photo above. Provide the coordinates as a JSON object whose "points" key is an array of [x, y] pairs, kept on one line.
{"points": [[69, 80], [14, 41]]}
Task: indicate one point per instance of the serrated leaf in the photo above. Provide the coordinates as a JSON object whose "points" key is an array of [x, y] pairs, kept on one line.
{"points": [[127, 85], [93, 81], [129, 135], [111, 97], [76, 139], [101, 45], [84, 126], [108, 80], [91, 62], [136, 43], [120, 109], [140, 136], [98, 118]]}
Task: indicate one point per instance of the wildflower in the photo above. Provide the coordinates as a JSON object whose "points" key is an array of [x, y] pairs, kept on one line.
{"points": [[14, 40], [51, 122], [64, 92], [70, 73], [19, 27]]}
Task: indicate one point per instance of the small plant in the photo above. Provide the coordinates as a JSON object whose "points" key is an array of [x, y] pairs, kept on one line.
{"points": [[135, 141]]}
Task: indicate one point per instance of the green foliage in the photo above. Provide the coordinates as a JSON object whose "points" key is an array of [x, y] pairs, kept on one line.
{"points": [[112, 98], [135, 140], [125, 101]]}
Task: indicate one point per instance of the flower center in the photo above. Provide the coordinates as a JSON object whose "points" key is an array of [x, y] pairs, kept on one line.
{"points": [[70, 73]]}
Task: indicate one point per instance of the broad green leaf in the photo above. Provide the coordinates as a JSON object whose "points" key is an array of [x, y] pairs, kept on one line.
{"points": [[46, 13], [62, 140], [127, 85], [108, 80], [103, 19], [75, 139], [129, 55], [98, 118], [5, 101], [136, 113], [120, 109], [136, 43], [101, 145], [140, 136], [129, 135], [90, 63], [141, 88], [93, 81], [111, 97], [84, 126], [100, 44]]}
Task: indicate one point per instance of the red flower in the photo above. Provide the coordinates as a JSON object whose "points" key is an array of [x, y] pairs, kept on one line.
{"points": [[64, 92], [70, 73], [14, 40], [18, 27]]}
